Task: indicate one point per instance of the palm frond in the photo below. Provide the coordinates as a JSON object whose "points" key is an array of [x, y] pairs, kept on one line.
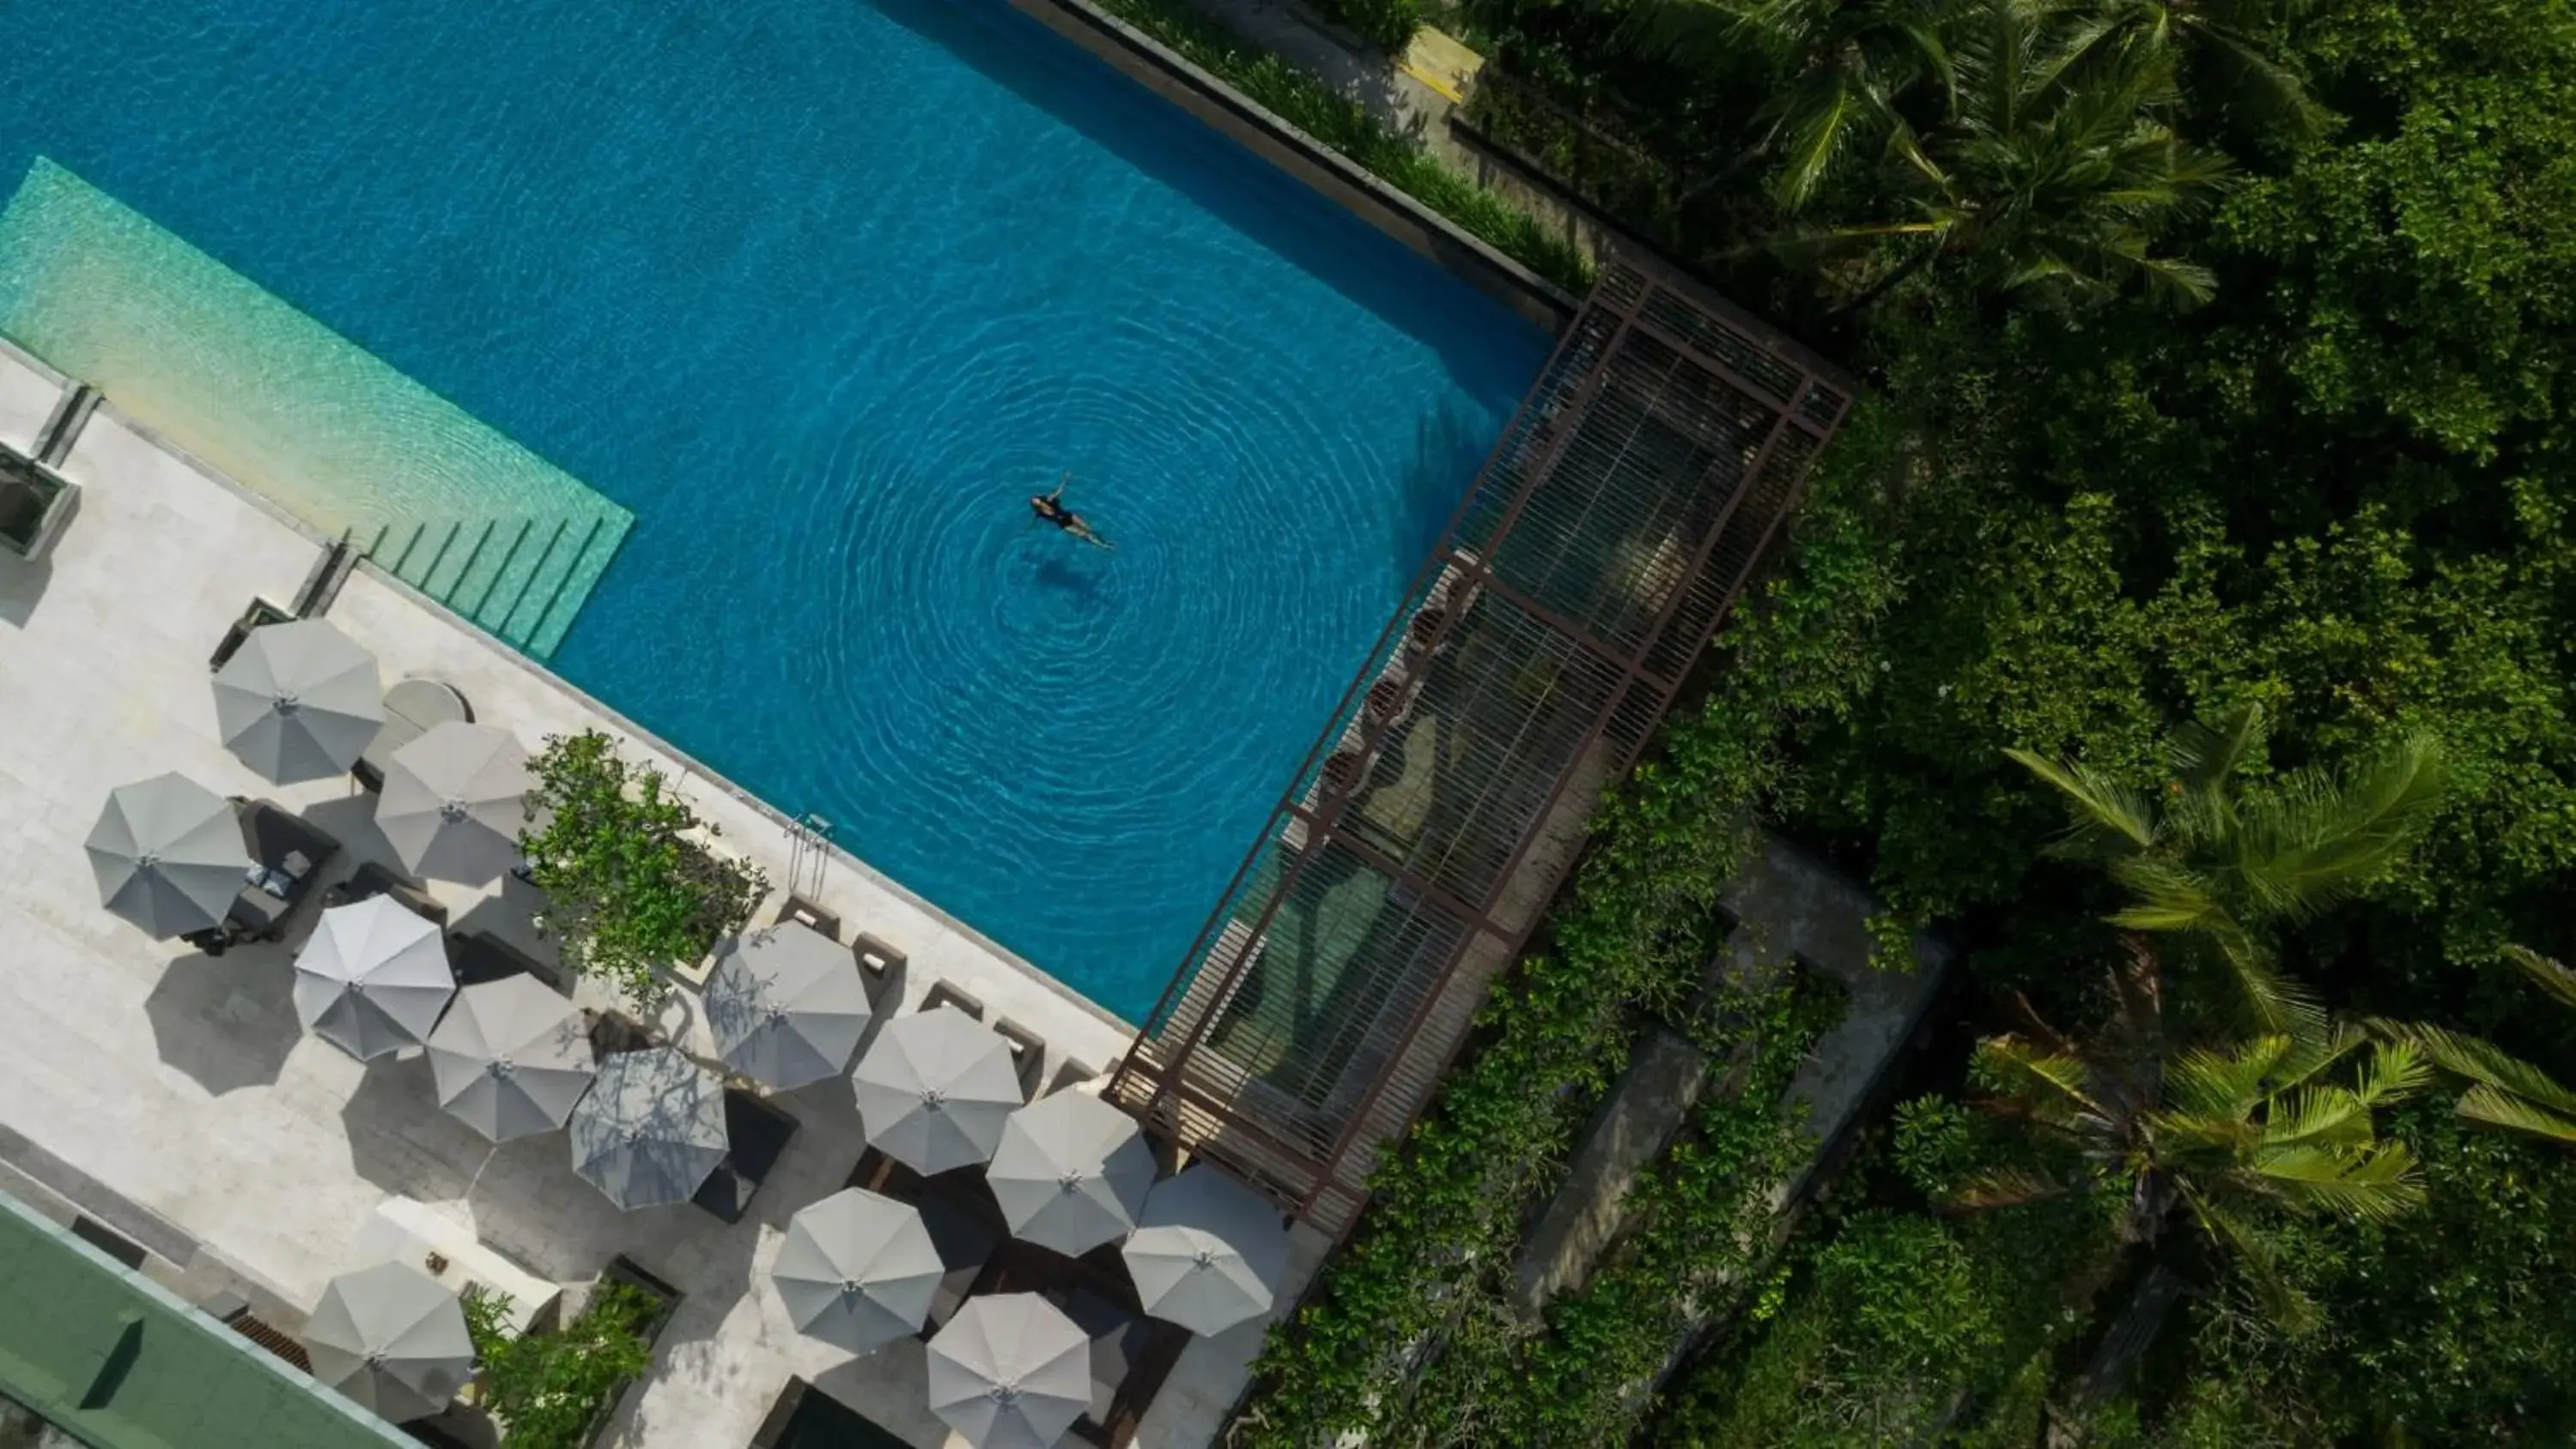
{"points": [[2322, 836], [2394, 1072], [2105, 811], [2229, 1082], [2164, 895], [2514, 1113], [2373, 1184], [2003, 1188], [2482, 1062], [2258, 1263], [2205, 753], [1821, 123], [2041, 1078], [2313, 1118], [2268, 91], [2548, 975]]}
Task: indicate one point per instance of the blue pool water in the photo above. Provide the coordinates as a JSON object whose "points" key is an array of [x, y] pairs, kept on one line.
{"points": [[821, 290]]}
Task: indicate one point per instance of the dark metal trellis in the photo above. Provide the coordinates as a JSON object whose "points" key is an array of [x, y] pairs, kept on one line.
{"points": [[1628, 502]]}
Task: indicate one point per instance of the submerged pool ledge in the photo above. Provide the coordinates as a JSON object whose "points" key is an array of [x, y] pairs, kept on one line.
{"points": [[317, 424], [1329, 173]]}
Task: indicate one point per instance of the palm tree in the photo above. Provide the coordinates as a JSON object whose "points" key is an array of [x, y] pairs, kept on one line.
{"points": [[2215, 1137], [2233, 68], [2054, 173], [1846, 67], [2205, 859], [2504, 1090]]}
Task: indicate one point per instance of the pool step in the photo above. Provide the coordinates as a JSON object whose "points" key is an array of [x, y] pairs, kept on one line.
{"points": [[521, 579]]}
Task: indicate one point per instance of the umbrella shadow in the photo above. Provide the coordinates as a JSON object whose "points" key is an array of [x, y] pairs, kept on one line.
{"points": [[401, 1140], [351, 820], [227, 1022], [890, 1388]]}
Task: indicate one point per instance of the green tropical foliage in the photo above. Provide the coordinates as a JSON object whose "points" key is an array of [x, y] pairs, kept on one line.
{"points": [[2203, 857], [547, 1389], [2504, 1090], [2216, 1135], [2054, 173], [632, 890], [2074, 522]]}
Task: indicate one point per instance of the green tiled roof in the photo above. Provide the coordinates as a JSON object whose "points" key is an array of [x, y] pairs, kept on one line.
{"points": [[120, 1363]]}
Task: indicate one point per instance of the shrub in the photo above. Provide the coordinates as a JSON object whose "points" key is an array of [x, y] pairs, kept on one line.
{"points": [[629, 893], [1870, 1350], [1388, 24], [547, 1388]]}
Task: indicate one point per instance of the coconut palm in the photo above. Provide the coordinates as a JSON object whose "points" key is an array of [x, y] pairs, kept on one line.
{"points": [[2207, 859], [2054, 174], [2215, 1137], [2233, 69], [1845, 67], [2504, 1090]]}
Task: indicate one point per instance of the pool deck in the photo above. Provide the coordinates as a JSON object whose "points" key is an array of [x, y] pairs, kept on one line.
{"points": [[176, 1098]]}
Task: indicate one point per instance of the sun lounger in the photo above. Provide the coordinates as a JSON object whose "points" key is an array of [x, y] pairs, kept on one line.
{"points": [[811, 916], [374, 879], [289, 853], [881, 964], [942, 994], [1028, 1051], [756, 1133]]}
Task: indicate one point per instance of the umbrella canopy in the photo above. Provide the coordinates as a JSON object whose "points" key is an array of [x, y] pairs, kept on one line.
{"points": [[391, 1338], [858, 1270], [1010, 1371], [786, 1005], [373, 978], [651, 1129], [454, 801], [934, 1088], [1071, 1173], [511, 1058], [298, 701], [168, 855], [1207, 1252]]}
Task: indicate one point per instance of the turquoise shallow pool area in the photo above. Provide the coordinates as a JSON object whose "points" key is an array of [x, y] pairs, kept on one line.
{"points": [[748, 329]]}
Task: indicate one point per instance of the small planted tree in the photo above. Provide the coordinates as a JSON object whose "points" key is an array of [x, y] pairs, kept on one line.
{"points": [[631, 892], [547, 1389]]}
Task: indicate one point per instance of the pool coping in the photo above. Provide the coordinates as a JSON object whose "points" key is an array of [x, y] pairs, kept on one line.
{"points": [[1330, 174], [691, 766]]}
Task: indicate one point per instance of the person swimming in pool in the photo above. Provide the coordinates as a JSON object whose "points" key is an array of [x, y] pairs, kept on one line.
{"points": [[1052, 509]]}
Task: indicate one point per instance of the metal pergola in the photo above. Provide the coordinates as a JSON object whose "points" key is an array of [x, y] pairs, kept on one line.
{"points": [[1630, 499]]}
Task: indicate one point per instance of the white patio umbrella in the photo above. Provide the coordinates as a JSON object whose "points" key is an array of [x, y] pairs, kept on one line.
{"points": [[168, 855], [1010, 1371], [511, 1058], [1071, 1173], [1207, 1252], [298, 701], [373, 978], [651, 1129], [858, 1270], [786, 1005], [454, 801], [391, 1338], [933, 1090]]}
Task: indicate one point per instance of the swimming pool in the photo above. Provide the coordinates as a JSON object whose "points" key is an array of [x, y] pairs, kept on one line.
{"points": [[820, 290]]}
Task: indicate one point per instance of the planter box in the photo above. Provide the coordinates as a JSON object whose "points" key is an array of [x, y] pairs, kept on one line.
{"points": [[622, 1269], [35, 503]]}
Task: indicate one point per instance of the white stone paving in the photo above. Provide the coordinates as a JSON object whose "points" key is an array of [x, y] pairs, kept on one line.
{"points": [[184, 1085]]}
